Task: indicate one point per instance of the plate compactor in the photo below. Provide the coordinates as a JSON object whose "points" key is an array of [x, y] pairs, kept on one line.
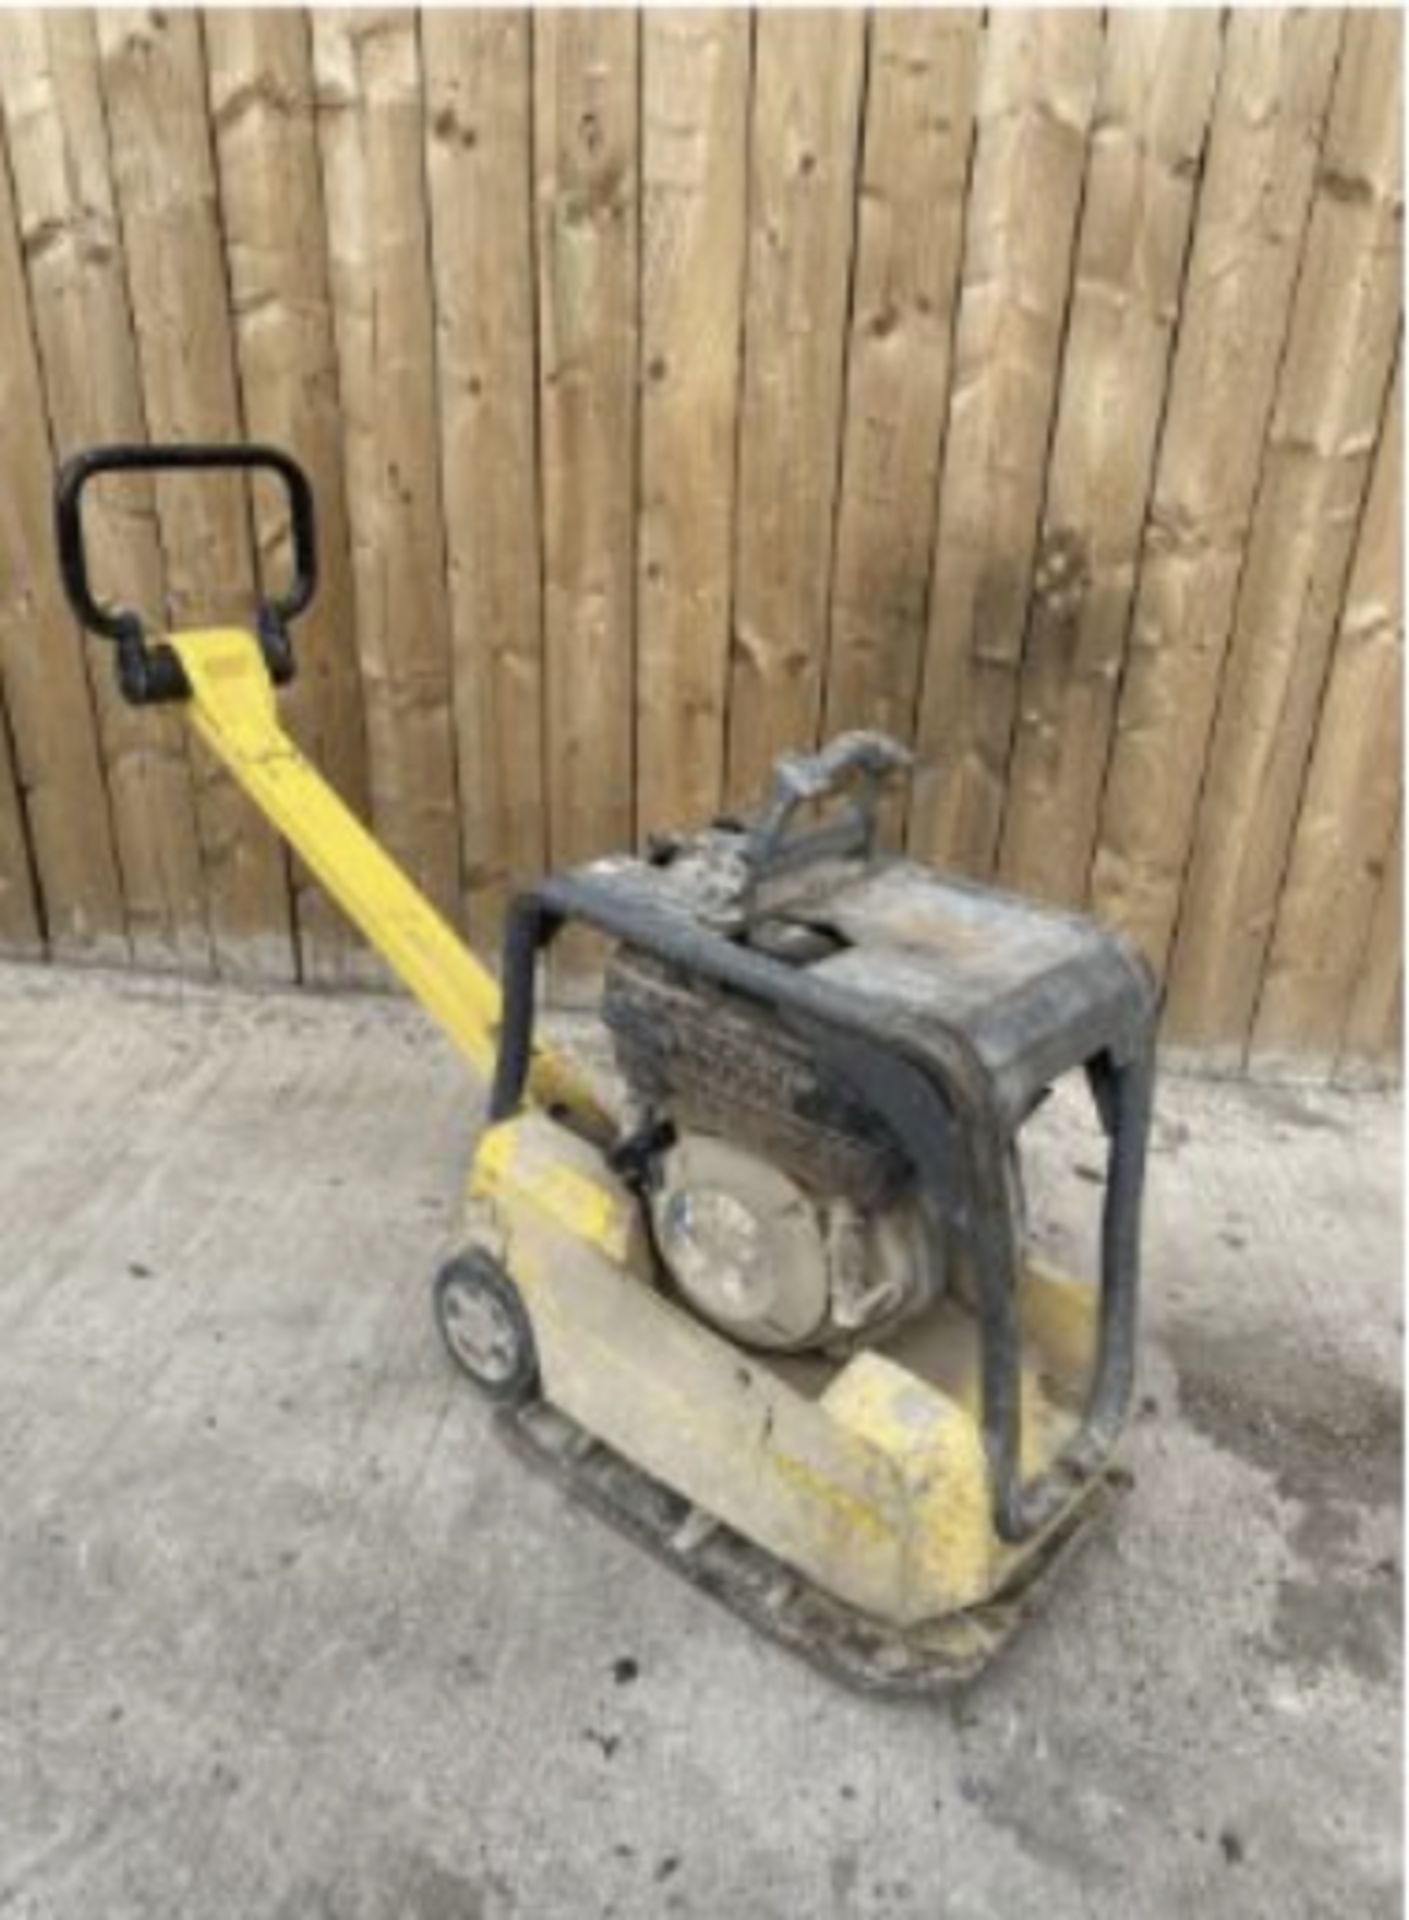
{"points": [[770, 1308]]}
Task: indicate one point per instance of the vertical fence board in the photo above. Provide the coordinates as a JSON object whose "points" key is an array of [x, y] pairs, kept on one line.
{"points": [[1330, 395], [261, 96], [1037, 91], [679, 386], [21, 935], [1151, 121], [59, 153], [1272, 97], [694, 158], [587, 154], [44, 674], [368, 90], [153, 78], [806, 105], [919, 127], [27, 626], [1372, 1043], [1349, 812], [479, 163]]}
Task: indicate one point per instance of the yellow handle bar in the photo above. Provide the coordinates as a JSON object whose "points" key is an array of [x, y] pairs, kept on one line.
{"points": [[231, 707]]}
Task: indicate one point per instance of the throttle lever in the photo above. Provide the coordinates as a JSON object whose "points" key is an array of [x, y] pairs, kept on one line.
{"points": [[871, 759]]}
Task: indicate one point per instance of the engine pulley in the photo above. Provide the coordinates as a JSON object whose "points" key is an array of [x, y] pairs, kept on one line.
{"points": [[743, 1242], [775, 1266]]}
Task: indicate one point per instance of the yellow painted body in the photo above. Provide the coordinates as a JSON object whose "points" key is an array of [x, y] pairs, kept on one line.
{"points": [[873, 1481]]}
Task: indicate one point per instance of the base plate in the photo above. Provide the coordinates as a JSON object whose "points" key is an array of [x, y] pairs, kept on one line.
{"points": [[852, 1647]]}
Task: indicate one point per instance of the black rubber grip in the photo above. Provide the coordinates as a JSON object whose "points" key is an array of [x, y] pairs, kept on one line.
{"points": [[153, 673], [76, 473]]}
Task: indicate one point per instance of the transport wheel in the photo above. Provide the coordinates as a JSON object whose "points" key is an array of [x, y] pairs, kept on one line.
{"points": [[485, 1327]]}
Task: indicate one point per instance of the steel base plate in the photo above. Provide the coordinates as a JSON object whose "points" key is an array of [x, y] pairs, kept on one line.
{"points": [[852, 1647]]}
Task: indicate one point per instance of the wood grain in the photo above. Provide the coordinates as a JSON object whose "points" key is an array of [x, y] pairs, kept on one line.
{"points": [[586, 160], [1151, 121], [479, 164], [1253, 209], [74, 264], [694, 160], [677, 386], [808, 73], [1350, 810], [367, 77], [261, 107], [154, 90], [1373, 1041], [1330, 395], [1037, 92], [21, 930], [919, 129], [64, 820]]}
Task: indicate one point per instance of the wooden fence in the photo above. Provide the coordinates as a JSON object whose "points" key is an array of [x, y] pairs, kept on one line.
{"points": [[680, 387]]}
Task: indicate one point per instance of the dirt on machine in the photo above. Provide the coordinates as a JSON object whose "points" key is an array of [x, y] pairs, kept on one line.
{"points": [[768, 1301]]}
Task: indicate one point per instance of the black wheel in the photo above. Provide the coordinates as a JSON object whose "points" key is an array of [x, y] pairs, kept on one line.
{"points": [[485, 1327]]}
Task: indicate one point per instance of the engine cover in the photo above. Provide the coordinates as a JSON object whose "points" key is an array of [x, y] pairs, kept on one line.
{"points": [[774, 1266], [742, 1242], [782, 1209], [713, 1063]]}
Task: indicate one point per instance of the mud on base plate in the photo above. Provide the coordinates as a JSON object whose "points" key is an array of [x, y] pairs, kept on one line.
{"points": [[852, 1647]]}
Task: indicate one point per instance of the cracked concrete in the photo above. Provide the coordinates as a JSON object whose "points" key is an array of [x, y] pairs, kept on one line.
{"points": [[284, 1632]]}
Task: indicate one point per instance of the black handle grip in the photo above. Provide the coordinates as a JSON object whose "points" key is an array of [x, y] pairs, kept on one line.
{"points": [[153, 673]]}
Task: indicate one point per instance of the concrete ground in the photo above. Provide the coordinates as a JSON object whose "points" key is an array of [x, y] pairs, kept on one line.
{"points": [[285, 1632]]}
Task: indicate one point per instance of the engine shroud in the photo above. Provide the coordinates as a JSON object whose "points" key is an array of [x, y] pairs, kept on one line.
{"points": [[713, 1063], [783, 1210]]}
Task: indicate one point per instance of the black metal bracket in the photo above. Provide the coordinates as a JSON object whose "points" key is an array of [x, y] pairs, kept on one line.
{"points": [[149, 672]]}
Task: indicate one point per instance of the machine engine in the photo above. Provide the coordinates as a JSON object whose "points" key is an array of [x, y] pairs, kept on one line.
{"points": [[782, 1210]]}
